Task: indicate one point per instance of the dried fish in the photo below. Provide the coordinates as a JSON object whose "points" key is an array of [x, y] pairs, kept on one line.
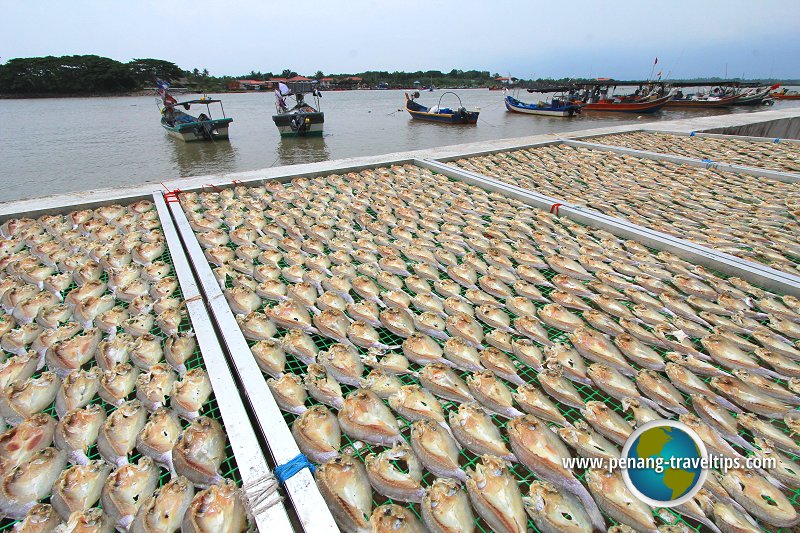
{"points": [[365, 417], [760, 498], [78, 488], [495, 495], [474, 429], [543, 452], [445, 508], [77, 430], [553, 511], [391, 518], [396, 473], [30, 482], [317, 434], [289, 393], [126, 489], [199, 452], [165, 510], [158, 437], [344, 486]]}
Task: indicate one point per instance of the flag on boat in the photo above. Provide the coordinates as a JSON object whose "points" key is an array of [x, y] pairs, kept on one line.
{"points": [[162, 87], [659, 74], [162, 91], [281, 101], [283, 88], [656, 61]]}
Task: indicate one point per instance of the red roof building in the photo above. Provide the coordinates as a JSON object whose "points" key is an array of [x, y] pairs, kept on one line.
{"points": [[249, 85]]}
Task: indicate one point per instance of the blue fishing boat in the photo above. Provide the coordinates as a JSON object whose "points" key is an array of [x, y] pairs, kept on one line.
{"points": [[437, 113], [554, 108], [186, 127]]}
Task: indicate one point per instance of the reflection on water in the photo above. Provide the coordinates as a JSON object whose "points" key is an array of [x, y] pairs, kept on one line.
{"points": [[196, 158], [295, 150]]}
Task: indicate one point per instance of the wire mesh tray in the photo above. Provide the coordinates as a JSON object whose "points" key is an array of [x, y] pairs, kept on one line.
{"points": [[521, 473], [229, 467]]}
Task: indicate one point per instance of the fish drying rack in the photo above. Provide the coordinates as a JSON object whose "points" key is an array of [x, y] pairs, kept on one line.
{"points": [[258, 432]]}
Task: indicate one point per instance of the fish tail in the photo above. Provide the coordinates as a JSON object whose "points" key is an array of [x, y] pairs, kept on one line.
{"points": [[387, 346], [724, 402], [598, 522]]}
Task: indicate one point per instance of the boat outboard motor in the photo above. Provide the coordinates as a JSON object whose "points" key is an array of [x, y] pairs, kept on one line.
{"points": [[299, 124], [205, 130]]}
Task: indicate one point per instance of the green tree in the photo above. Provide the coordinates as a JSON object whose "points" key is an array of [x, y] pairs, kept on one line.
{"points": [[66, 75], [144, 70], [319, 75]]}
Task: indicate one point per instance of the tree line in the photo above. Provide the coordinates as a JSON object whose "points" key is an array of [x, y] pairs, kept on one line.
{"points": [[92, 74], [81, 74]]}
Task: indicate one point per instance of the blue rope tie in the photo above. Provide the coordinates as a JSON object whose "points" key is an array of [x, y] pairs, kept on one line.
{"points": [[293, 466], [691, 134], [776, 141]]}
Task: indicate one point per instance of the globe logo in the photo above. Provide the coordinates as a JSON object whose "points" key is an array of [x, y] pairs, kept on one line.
{"points": [[665, 463]]}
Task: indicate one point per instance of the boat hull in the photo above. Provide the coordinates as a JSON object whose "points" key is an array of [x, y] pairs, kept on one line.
{"points": [[628, 107], [704, 104], [779, 96], [561, 111], [761, 98], [211, 130], [468, 117], [444, 118], [461, 116], [300, 124]]}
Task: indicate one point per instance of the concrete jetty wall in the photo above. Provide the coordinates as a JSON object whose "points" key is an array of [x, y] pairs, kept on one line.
{"points": [[785, 128]]}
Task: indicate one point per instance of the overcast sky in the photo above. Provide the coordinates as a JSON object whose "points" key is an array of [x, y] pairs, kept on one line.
{"points": [[552, 38]]}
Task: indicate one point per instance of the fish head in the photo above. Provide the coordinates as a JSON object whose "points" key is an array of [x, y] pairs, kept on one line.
{"points": [[596, 410], [693, 421], [487, 469], [393, 518]]}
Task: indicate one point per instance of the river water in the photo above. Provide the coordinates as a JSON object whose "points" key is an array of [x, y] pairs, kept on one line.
{"points": [[57, 145]]}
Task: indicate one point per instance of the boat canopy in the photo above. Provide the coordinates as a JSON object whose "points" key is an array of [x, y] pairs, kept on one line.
{"points": [[566, 87], [205, 101]]}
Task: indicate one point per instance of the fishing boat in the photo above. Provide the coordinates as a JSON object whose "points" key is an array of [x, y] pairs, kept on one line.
{"points": [[301, 119], [437, 113], [555, 108], [786, 95], [597, 96], [755, 96], [703, 102], [616, 105], [186, 127]]}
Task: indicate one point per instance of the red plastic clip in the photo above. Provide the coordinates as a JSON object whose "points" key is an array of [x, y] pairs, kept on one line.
{"points": [[172, 196], [237, 182], [554, 208], [216, 189]]}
